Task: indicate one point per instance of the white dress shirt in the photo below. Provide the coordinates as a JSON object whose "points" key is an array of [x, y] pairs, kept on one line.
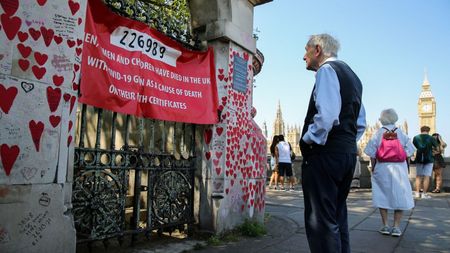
{"points": [[328, 103]]}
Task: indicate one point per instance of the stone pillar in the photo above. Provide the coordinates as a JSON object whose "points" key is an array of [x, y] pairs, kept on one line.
{"points": [[234, 150], [40, 55]]}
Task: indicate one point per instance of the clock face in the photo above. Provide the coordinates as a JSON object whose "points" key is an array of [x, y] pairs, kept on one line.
{"points": [[426, 108]]}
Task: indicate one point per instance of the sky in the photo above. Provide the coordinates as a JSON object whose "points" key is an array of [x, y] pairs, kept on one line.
{"points": [[388, 44]]}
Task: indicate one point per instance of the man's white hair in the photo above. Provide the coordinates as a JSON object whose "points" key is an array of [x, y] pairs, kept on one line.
{"points": [[330, 46], [388, 117]]}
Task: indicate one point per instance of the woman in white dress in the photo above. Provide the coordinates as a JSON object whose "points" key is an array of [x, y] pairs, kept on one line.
{"points": [[391, 188]]}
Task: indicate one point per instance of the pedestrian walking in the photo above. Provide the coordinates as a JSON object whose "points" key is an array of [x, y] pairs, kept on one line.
{"points": [[283, 158], [391, 189], [273, 163], [439, 162], [424, 160], [335, 120]]}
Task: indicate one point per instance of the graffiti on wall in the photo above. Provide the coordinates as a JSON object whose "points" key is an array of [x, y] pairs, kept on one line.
{"points": [[39, 72], [33, 227], [235, 147]]}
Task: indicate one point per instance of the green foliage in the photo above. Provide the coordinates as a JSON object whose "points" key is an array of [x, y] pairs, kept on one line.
{"points": [[171, 17], [249, 228], [214, 241], [230, 237], [252, 228]]}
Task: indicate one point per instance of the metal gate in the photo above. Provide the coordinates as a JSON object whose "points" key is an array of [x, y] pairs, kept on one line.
{"points": [[137, 183], [133, 175]]}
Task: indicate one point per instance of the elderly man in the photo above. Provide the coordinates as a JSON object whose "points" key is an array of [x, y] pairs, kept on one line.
{"points": [[333, 123]]}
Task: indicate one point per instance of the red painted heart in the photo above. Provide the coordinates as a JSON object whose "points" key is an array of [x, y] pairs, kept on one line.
{"points": [[224, 100], [208, 136], [11, 25], [24, 64], [219, 130], [10, 6], [9, 156], [72, 103], [218, 170], [58, 39], [54, 120], [41, 2], [36, 129], [38, 71], [78, 51], [22, 36], [207, 155], [7, 97], [74, 7], [35, 34], [58, 80], [75, 86], [70, 43], [69, 140], [70, 125], [53, 98], [24, 50], [47, 34], [66, 97], [41, 59], [246, 56], [79, 21]]}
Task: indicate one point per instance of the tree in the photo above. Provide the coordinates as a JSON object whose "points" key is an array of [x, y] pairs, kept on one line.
{"points": [[171, 17]]}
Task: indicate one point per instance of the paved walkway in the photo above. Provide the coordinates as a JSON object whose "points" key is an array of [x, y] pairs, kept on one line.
{"points": [[426, 228]]}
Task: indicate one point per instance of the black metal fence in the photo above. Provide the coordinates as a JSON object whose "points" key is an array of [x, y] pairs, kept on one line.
{"points": [[131, 175], [171, 17]]}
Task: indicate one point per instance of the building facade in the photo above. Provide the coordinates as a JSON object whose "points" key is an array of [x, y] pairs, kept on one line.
{"points": [[427, 106], [291, 133]]}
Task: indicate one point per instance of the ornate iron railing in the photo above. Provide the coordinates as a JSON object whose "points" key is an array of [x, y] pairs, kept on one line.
{"points": [[171, 17], [133, 175], [145, 185]]}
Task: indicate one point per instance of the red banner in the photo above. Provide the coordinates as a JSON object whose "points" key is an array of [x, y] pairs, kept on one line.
{"points": [[130, 68]]}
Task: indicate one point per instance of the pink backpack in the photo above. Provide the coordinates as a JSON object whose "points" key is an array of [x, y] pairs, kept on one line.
{"points": [[390, 149]]}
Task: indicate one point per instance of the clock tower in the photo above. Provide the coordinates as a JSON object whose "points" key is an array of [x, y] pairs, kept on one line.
{"points": [[427, 107]]}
